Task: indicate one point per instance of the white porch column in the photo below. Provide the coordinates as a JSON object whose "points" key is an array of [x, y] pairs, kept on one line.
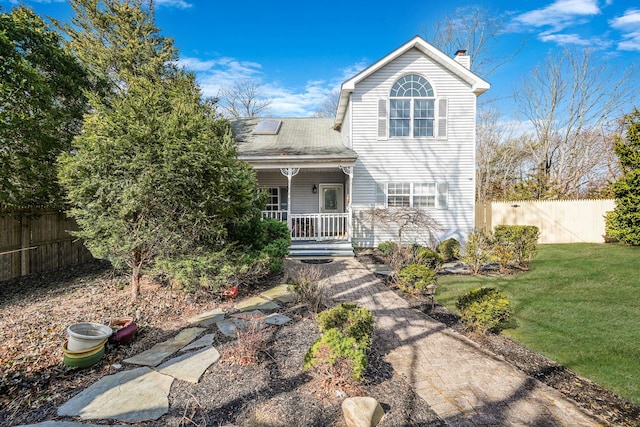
{"points": [[348, 170], [289, 173]]}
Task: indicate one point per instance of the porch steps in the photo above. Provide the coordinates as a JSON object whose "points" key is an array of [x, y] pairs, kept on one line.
{"points": [[305, 249]]}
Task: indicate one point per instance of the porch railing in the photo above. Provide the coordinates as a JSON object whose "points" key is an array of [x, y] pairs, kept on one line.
{"points": [[316, 226], [279, 215]]}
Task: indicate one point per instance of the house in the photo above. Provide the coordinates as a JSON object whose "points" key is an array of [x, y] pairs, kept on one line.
{"points": [[403, 136]]}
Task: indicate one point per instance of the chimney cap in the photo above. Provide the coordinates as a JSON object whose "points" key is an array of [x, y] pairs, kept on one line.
{"points": [[461, 52]]}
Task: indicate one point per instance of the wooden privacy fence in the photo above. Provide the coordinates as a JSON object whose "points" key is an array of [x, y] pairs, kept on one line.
{"points": [[36, 241], [559, 221]]}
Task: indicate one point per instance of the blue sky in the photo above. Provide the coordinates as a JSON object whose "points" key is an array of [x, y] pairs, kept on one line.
{"points": [[299, 51]]}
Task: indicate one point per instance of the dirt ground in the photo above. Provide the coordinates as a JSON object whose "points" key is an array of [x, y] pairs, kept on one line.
{"points": [[272, 391]]}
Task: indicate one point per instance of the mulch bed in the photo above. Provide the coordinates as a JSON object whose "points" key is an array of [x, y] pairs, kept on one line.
{"points": [[274, 390]]}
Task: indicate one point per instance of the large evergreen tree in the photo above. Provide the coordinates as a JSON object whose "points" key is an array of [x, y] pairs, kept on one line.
{"points": [[154, 173], [41, 107], [623, 223]]}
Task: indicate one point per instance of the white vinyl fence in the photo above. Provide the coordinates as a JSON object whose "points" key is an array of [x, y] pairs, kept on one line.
{"points": [[559, 221]]}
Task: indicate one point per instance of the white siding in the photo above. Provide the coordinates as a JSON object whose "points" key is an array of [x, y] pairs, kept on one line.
{"points": [[449, 159], [302, 198]]}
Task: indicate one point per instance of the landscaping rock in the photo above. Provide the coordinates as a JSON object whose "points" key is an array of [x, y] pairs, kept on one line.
{"points": [[256, 303], [229, 327], [208, 318], [277, 319], [280, 293], [132, 396], [160, 351], [361, 411], [204, 341], [190, 366]]}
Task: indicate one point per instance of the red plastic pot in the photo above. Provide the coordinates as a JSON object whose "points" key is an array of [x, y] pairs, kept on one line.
{"points": [[124, 329]]}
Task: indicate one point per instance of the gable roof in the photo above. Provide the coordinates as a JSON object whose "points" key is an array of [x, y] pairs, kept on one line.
{"points": [[298, 141], [478, 85]]}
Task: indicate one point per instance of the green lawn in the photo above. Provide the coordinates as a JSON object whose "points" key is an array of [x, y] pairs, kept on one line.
{"points": [[579, 304]]}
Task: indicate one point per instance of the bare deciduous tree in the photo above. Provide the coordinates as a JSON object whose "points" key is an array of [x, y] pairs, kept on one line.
{"points": [[329, 105], [244, 99], [501, 158], [402, 220], [568, 100], [475, 29]]}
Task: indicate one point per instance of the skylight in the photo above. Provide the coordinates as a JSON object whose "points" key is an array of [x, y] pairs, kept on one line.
{"points": [[267, 127]]}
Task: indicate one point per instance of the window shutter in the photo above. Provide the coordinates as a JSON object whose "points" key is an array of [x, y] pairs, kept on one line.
{"points": [[443, 195], [382, 119], [442, 118], [381, 195]]}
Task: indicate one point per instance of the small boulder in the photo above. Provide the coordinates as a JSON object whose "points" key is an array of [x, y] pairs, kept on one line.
{"points": [[361, 411]]}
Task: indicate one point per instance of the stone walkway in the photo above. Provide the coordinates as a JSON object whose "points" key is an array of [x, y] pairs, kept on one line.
{"points": [[463, 384], [142, 393]]}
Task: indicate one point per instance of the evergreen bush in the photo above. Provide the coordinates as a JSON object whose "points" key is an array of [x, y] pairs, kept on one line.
{"points": [[430, 258], [515, 244], [347, 335], [450, 249], [387, 248], [484, 309], [415, 278]]}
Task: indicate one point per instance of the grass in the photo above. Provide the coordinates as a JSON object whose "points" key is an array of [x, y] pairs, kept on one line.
{"points": [[579, 304]]}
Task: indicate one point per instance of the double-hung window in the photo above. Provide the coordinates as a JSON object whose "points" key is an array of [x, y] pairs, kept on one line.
{"points": [[417, 195], [411, 107]]}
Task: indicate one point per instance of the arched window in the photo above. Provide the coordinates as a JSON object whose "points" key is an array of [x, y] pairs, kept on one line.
{"points": [[411, 107]]}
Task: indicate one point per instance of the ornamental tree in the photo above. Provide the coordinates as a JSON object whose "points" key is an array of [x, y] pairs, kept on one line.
{"points": [[623, 223], [41, 107], [154, 173]]}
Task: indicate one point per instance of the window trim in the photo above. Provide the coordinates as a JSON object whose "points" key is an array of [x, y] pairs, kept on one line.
{"points": [[407, 85], [440, 194]]}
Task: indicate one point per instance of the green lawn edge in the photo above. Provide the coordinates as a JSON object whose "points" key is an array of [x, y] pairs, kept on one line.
{"points": [[579, 305]]}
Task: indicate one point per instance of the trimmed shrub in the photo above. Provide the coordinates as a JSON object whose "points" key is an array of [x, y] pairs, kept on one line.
{"points": [[516, 244], [430, 258], [353, 321], [348, 332], [415, 278], [335, 349], [484, 309], [450, 249], [478, 250], [387, 248]]}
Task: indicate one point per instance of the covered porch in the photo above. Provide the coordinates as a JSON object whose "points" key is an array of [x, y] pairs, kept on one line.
{"points": [[314, 202], [307, 171]]}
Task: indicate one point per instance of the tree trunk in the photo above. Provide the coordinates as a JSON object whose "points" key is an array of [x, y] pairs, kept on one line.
{"points": [[135, 276], [135, 284]]}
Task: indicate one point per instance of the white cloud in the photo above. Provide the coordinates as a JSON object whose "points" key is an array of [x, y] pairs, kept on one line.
{"points": [[565, 39], [560, 14], [629, 25], [180, 4], [287, 101]]}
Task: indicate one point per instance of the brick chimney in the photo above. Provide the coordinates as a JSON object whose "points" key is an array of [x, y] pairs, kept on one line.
{"points": [[462, 58]]}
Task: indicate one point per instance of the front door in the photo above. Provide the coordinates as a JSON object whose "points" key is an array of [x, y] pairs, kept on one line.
{"points": [[331, 199]]}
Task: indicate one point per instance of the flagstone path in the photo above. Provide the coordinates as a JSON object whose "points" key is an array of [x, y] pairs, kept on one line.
{"points": [[463, 384], [142, 394]]}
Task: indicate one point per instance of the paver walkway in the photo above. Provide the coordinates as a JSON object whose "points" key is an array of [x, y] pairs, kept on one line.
{"points": [[462, 383]]}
